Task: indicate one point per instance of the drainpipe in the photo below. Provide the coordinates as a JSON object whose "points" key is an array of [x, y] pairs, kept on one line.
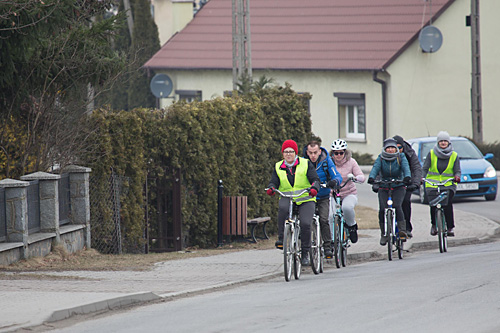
{"points": [[384, 103]]}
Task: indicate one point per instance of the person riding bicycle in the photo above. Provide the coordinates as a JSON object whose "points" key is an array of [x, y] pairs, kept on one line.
{"points": [[440, 164], [294, 174], [416, 178], [349, 169], [391, 164], [328, 174]]}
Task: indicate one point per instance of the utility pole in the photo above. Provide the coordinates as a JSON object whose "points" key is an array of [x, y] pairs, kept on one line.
{"points": [[242, 63], [477, 115]]}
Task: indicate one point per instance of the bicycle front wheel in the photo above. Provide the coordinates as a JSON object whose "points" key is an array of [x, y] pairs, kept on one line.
{"points": [[441, 223], [297, 263], [337, 243], [389, 217], [315, 246], [288, 251], [343, 248]]}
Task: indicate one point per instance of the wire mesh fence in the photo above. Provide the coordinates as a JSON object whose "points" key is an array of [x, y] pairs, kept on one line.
{"points": [[105, 193]]}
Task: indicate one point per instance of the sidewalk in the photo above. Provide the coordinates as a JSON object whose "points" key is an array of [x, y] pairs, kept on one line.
{"points": [[31, 302]]}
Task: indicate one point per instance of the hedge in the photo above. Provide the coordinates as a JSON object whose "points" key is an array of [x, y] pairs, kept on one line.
{"points": [[236, 139]]}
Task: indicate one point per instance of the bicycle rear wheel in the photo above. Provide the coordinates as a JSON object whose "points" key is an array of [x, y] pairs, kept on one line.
{"points": [[337, 244], [440, 222], [315, 246], [389, 217], [288, 251], [297, 263], [343, 248], [400, 245]]}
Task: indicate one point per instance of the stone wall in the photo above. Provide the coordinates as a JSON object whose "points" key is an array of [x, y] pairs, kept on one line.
{"points": [[19, 243]]}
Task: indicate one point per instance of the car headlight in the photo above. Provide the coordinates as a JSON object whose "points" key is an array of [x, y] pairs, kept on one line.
{"points": [[490, 172]]}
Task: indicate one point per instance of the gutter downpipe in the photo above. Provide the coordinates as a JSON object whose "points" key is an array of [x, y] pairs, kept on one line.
{"points": [[384, 103]]}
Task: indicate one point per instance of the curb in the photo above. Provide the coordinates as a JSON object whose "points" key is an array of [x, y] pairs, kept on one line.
{"points": [[109, 304]]}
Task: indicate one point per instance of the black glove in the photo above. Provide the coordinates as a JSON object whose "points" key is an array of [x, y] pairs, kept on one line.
{"points": [[411, 187], [407, 180], [332, 183], [375, 188], [371, 180]]}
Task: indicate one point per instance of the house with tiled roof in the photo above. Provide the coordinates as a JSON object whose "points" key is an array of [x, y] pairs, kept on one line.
{"points": [[361, 61]]}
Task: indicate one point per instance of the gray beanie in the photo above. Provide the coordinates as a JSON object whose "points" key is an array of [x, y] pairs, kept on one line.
{"points": [[390, 142], [443, 136]]}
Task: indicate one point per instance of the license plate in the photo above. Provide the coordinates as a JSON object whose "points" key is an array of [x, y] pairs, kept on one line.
{"points": [[467, 186]]}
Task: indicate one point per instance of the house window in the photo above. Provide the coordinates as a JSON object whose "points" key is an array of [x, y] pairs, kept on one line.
{"points": [[189, 95], [352, 116]]}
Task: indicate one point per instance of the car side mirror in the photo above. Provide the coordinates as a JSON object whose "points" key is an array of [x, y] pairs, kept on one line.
{"points": [[489, 156]]}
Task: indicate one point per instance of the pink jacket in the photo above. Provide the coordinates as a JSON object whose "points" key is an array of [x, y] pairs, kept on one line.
{"points": [[346, 166]]}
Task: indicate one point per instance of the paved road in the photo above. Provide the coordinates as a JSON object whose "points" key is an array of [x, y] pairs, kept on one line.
{"points": [[426, 292]]}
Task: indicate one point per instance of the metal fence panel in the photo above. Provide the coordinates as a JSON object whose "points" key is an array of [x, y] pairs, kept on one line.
{"points": [[3, 223], [64, 199], [33, 207]]}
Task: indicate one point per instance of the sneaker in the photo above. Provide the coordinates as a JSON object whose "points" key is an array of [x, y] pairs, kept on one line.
{"points": [[328, 253], [306, 261], [409, 234], [353, 233], [383, 240], [451, 232], [403, 235], [434, 231], [279, 244]]}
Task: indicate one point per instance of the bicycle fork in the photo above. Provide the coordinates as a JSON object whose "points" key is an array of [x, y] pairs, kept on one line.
{"points": [[393, 221]]}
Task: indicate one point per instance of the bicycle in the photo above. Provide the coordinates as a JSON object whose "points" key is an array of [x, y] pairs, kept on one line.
{"points": [[292, 250], [391, 231], [317, 252], [340, 229], [438, 202]]}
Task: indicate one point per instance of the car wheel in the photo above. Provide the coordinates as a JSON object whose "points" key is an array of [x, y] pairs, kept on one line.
{"points": [[423, 196], [490, 197]]}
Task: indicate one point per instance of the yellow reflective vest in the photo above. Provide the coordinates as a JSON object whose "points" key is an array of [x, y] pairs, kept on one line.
{"points": [[301, 181], [433, 174]]}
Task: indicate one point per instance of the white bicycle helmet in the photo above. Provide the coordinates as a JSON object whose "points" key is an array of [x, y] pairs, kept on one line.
{"points": [[339, 144]]}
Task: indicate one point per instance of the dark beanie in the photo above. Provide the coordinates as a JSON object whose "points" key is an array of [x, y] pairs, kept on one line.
{"points": [[399, 140], [290, 144]]}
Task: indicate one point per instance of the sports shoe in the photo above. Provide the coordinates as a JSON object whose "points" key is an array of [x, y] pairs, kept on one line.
{"points": [[402, 235], [409, 234], [383, 240], [353, 233], [434, 231], [451, 232], [279, 244], [306, 261], [328, 253]]}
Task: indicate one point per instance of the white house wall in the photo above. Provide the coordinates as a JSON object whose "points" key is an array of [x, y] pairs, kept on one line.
{"points": [[430, 92], [323, 105]]}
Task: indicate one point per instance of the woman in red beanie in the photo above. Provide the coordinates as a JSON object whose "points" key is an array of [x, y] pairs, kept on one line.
{"points": [[295, 173]]}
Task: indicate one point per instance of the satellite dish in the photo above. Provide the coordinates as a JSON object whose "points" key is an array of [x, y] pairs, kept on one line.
{"points": [[430, 39], [161, 85]]}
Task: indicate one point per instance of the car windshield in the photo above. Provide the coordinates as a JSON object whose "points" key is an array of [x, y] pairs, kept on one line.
{"points": [[464, 148]]}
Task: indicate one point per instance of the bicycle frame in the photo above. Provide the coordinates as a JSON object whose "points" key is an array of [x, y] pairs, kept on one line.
{"points": [[440, 219], [292, 253]]}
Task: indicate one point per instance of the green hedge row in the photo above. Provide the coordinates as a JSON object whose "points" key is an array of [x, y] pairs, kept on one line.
{"points": [[236, 139]]}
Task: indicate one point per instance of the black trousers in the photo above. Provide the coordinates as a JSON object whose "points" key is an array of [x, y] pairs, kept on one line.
{"points": [[406, 206]]}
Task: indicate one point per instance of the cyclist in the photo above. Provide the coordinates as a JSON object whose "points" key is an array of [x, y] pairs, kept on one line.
{"points": [[349, 169], [440, 164], [391, 164], [328, 174], [294, 174], [416, 178]]}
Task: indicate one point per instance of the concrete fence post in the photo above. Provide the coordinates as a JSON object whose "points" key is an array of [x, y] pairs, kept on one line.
{"points": [[80, 197], [49, 201], [16, 212]]}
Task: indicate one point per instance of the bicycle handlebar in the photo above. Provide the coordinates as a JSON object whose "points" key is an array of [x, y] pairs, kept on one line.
{"points": [[290, 195], [438, 184], [387, 182]]}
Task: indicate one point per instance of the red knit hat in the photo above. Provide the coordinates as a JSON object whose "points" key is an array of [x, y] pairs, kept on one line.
{"points": [[290, 144]]}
